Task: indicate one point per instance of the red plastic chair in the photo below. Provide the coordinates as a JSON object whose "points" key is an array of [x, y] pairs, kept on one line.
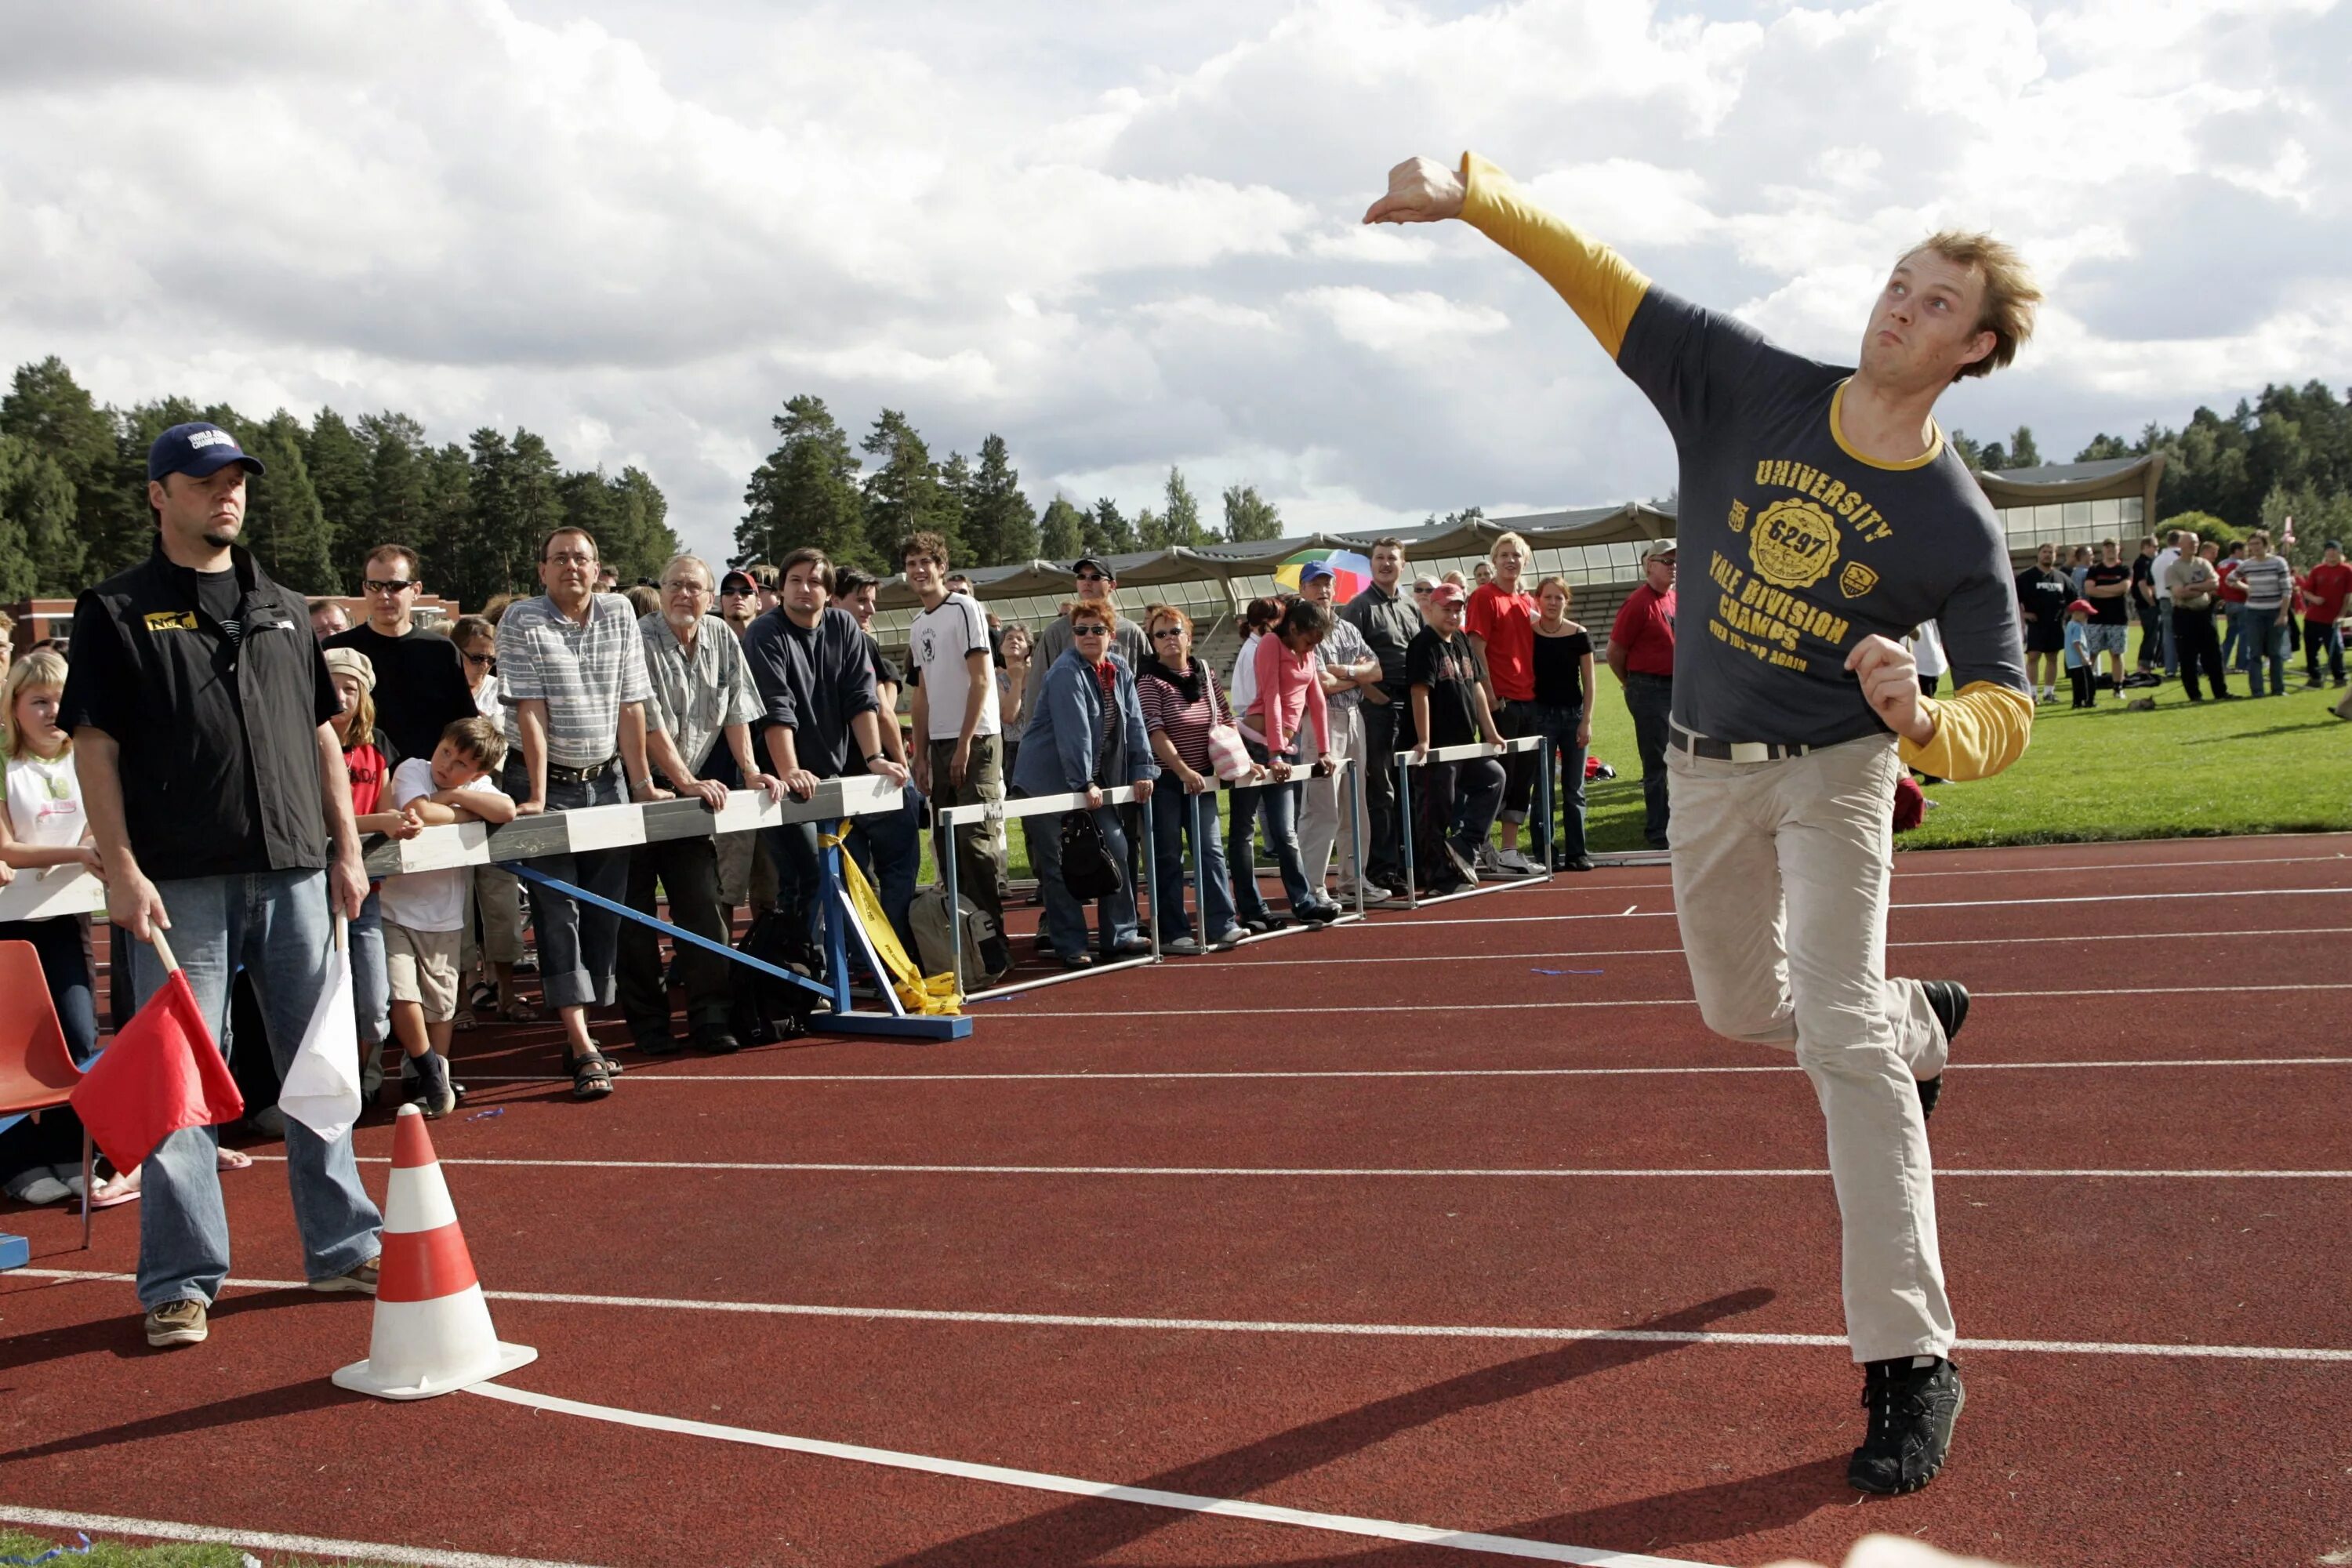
{"points": [[36, 1072]]}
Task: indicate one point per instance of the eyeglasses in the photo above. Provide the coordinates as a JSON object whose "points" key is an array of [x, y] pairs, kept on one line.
{"points": [[734, 593], [488, 660], [1090, 631], [382, 585], [1167, 632], [570, 558], [685, 588], [1092, 577]]}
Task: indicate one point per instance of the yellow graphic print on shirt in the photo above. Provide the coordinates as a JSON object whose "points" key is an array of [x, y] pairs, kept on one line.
{"points": [[1794, 544]]}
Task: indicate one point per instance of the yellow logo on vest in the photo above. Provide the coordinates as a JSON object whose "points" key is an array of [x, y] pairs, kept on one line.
{"points": [[1794, 544], [172, 621], [1856, 580]]}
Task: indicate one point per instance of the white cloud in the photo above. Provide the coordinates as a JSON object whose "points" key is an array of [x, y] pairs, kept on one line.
{"points": [[1124, 236]]}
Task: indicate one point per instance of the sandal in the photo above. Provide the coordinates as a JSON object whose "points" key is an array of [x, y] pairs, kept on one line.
{"points": [[482, 997], [518, 1011], [591, 1077], [227, 1159], [119, 1190]]}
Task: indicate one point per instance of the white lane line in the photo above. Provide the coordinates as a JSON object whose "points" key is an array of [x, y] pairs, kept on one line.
{"points": [[268, 1541], [1037, 1480], [1563, 884], [1288, 1326], [1535, 1172], [1629, 908], [1458, 1008], [870, 1078], [2053, 938], [1389, 926]]}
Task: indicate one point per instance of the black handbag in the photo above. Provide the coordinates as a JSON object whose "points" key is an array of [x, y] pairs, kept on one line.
{"points": [[1088, 869]]}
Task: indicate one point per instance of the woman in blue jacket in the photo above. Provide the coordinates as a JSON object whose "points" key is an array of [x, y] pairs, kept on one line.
{"points": [[1086, 735]]}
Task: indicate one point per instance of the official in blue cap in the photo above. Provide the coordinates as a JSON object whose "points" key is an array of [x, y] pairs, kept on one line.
{"points": [[209, 457]]}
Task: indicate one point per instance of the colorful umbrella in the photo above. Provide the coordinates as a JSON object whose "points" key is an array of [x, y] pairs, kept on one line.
{"points": [[1350, 572]]}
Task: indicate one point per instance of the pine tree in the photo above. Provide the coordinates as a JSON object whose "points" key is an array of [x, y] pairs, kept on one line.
{"points": [[1182, 522], [1249, 516], [48, 410], [2023, 452], [999, 526], [396, 456], [34, 497], [1062, 530], [1106, 531], [806, 493], [904, 494], [641, 517], [284, 525]]}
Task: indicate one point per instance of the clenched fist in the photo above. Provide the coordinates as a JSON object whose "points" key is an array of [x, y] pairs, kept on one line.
{"points": [[1420, 190], [1890, 682]]}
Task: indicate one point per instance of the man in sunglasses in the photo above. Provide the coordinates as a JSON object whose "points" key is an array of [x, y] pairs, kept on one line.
{"points": [[739, 601], [421, 685]]}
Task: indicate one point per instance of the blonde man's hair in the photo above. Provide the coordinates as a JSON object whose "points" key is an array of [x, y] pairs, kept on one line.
{"points": [[44, 668], [2010, 294], [1495, 549]]}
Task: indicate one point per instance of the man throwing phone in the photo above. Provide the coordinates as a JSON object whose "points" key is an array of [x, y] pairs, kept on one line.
{"points": [[1825, 516]]}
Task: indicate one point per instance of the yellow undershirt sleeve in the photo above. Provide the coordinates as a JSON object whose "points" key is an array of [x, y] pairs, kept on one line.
{"points": [[1978, 731], [1600, 286]]}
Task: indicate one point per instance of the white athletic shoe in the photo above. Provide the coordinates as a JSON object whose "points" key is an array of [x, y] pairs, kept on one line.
{"points": [[1510, 862]]}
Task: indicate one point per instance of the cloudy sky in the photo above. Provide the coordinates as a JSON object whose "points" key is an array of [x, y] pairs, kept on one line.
{"points": [[1124, 236]]}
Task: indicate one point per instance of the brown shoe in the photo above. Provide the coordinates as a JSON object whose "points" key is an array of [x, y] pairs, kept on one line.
{"points": [[178, 1323], [359, 1281]]}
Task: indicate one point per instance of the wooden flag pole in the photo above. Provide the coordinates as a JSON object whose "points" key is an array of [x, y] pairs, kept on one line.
{"points": [[162, 950]]}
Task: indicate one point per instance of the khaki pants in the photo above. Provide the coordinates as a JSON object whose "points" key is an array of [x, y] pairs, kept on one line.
{"points": [[746, 874], [493, 919], [1780, 885], [1330, 801]]}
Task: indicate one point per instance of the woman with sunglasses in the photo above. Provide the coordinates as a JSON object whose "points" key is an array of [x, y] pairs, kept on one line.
{"points": [[1180, 705], [1086, 735]]}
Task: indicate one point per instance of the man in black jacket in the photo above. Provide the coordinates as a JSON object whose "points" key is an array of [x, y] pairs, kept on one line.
{"points": [[200, 704]]}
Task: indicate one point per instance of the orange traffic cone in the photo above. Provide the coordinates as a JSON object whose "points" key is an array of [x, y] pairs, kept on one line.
{"points": [[432, 1332]]}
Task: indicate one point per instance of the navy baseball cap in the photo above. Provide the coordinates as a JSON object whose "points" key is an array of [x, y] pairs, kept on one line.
{"points": [[1314, 569], [196, 448], [1082, 561]]}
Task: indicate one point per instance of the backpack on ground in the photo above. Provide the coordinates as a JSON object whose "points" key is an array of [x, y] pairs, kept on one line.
{"points": [[766, 1009], [986, 956]]}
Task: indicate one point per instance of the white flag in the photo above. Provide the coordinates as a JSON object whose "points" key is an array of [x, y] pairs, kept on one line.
{"points": [[322, 1086]]}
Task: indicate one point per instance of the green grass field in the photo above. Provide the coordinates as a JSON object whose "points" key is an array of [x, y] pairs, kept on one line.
{"points": [[2279, 765], [102, 1553]]}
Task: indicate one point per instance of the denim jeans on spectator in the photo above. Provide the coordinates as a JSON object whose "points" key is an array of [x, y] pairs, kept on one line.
{"points": [[276, 924], [799, 884], [2172, 637], [1178, 820], [1066, 918], [1557, 726], [2260, 641], [2152, 632], [1517, 719], [2233, 628], [1458, 802], [1277, 804], [2320, 636], [371, 991], [888, 847], [1650, 698], [579, 944], [1383, 842]]}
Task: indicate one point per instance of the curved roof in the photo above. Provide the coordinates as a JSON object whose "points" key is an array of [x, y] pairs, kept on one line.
{"points": [[2109, 477], [1182, 563]]}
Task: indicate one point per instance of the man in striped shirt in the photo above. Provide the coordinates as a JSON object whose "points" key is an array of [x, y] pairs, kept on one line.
{"points": [[573, 666], [2268, 584]]}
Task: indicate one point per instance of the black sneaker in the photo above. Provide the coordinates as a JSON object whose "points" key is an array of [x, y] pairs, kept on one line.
{"points": [[1911, 1409], [662, 1045], [433, 1093], [1949, 1000], [716, 1039]]}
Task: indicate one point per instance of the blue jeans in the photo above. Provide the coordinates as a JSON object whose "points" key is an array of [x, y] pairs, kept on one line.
{"points": [[370, 983], [1066, 918], [276, 924], [1278, 805], [800, 879], [888, 848], [1177, 818], [1557, 726], [2322, 636], [2261, 640], [579, 944]]}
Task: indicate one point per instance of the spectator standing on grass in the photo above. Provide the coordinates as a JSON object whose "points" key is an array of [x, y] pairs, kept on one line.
{"points": [[1458, 799], [369, 757], [2267, 584], [2325, 589], [2192, 584], [2044, 592], [820, 714], [1388, 619], [1564, 692], [573, 664], [2147, 609], [1013, 692], [2160, 572], [1096, 586], [420, 682], [424, 911], [959, 756], [1178, 694], [201, 713], [1286, 702], [42, 826], [1500, 622], [1641, 654], [2108, 585], [2080, 662], [700, 704], [1347, 669], [2078, 566], [2231, 599], [1086, 735]]}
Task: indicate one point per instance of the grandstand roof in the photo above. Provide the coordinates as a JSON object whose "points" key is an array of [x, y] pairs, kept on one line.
{"points": [[1545, 529], [2109, 477]]}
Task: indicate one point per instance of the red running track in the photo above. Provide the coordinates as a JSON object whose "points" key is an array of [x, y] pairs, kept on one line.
{"points": [[1169, 1228]]}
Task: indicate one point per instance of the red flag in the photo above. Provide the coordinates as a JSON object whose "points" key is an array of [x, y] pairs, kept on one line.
{"points": [[161, 1073]]}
